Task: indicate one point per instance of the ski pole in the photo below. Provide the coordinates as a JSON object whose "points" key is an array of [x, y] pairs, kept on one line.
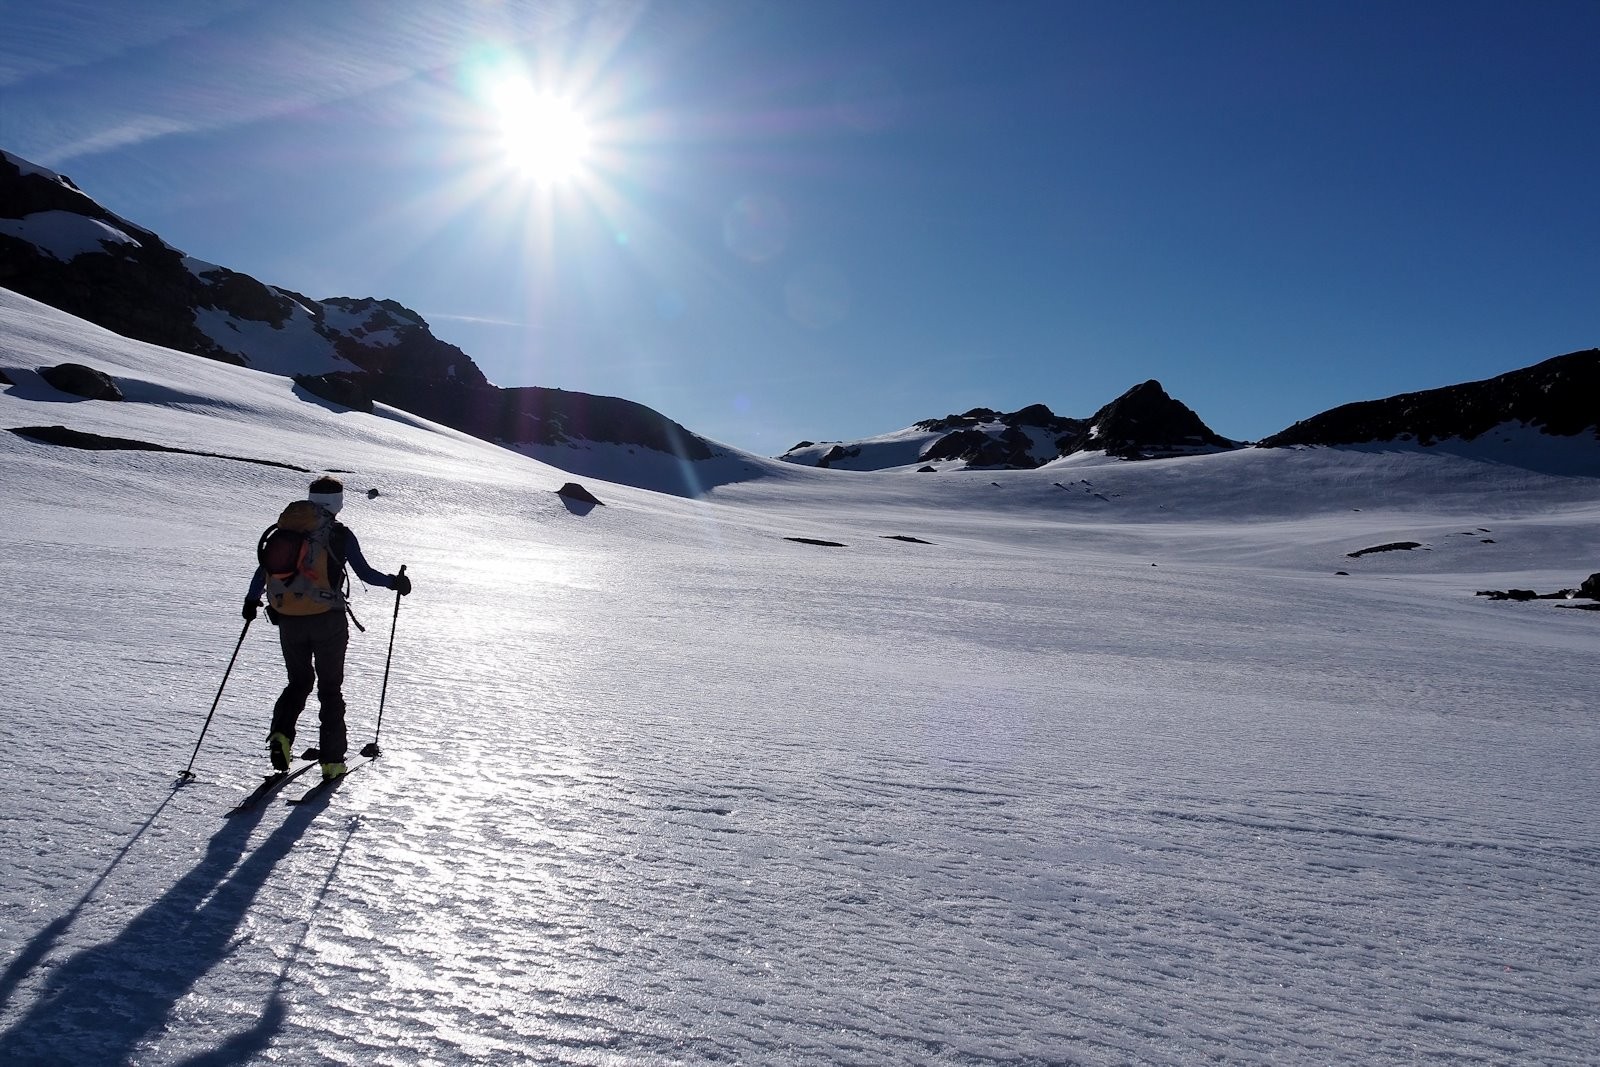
{"points": [[188, 772], [373, 750]]}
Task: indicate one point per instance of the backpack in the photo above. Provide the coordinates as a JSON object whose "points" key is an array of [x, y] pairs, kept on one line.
{"points": [[305, 572]]}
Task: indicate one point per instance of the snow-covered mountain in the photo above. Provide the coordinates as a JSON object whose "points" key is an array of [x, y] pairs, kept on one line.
{"points": [[59, 246], [1551, 400], [1143, 423], [1100, 763]]}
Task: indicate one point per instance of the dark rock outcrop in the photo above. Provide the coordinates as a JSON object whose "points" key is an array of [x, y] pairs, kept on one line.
{"points": [[1588, 589], [341, 388], [984, 437], [60, 435], [1556, 396], [835, 454], [574, 491], [82, 381], [1146, 423], [1392, 546]]}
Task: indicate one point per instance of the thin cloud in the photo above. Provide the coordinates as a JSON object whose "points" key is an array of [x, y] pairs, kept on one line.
{"points": [[480, 320], [87, 92]]}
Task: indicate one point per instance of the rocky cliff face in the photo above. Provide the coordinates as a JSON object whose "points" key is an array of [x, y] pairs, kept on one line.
{"points": [[58, 246], [1560, 397]]}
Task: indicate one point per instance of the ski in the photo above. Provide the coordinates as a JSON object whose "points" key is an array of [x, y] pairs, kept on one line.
{"points": [[327, 785], [271, 784]]}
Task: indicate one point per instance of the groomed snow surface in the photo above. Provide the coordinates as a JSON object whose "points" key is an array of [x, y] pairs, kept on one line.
{"points": [[1114, 770]]}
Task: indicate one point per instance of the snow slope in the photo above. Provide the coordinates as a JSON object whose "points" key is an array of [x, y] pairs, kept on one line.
{"points": [[1114, 769]]}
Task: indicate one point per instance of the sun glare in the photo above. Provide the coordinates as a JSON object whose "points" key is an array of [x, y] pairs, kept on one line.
{"points": [[543, 137]]}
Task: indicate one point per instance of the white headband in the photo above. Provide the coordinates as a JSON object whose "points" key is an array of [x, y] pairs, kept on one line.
{"points": [[332, 501]]}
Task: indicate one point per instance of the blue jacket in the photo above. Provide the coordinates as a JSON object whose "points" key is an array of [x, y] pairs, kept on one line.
{"points": [[346, 549]]}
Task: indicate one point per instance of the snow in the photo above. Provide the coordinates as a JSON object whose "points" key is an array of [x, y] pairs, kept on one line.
{"points": [[292, 348], [888, 451], [354, 323], [1115, 773], [27, 168], [64, 235]]}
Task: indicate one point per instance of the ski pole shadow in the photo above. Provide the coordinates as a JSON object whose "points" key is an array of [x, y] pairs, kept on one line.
{"points": [[39, 946], [249, 1045], [99, 1005]]}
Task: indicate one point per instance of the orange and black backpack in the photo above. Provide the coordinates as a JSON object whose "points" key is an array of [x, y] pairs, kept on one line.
{"points": [[304, 569]]}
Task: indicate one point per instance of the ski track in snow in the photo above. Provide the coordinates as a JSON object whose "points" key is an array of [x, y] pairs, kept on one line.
{"points": [[661, 788]]}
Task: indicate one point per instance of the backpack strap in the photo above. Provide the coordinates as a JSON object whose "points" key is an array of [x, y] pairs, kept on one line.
{"points": [[261, 545]]}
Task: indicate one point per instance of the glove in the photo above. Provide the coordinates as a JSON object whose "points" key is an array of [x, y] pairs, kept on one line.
{"points": [[402, 584], [249, 611]]}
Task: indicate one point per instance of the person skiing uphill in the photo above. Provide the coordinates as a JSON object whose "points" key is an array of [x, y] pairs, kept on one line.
{"points": [[301, 568]]}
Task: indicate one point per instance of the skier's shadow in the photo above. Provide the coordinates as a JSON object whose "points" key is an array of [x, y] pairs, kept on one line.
{"points": [[99, 1005]]}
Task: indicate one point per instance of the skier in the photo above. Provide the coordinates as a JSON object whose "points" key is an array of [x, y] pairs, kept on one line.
{"points": [[311, 619]]}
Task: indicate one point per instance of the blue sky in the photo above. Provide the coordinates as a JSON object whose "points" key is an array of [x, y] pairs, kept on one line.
{"points": [[827, 220]]}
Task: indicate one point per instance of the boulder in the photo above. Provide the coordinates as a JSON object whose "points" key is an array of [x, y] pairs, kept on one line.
{"points": [[1590, 589], [82, 381], [574, 491]]}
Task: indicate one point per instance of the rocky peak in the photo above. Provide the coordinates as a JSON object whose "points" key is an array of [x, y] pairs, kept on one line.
{"points": [[1146, 423]]}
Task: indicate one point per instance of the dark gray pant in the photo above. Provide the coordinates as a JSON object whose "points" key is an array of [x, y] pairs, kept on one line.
{"points": [[313, 653]]}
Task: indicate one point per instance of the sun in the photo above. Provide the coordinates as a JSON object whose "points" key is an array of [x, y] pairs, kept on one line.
{"points": [[542, 137]]}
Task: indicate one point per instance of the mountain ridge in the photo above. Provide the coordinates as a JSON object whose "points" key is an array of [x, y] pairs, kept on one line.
{"points": [[61, 247]]}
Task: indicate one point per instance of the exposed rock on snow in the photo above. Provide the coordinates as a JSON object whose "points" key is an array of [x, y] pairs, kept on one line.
{"points": [[60, 435], [1392, 546], [346, 390], [816, 541], [574, 491], [82, 381], [1588, 590]]}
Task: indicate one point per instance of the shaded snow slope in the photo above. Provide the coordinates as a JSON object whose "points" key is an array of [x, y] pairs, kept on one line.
{"points": [[662, 787]]}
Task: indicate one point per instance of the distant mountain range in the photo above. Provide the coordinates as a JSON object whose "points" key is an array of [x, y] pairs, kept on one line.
{"points": [[60, 247]]}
